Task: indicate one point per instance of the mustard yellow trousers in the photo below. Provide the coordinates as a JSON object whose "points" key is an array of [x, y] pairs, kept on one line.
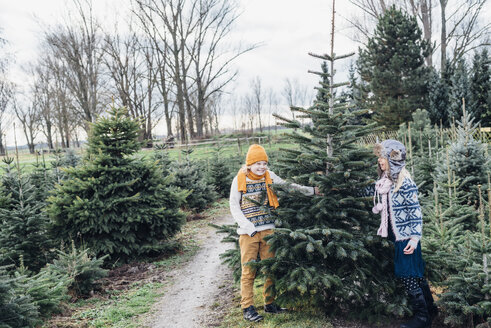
{"points": [[250, 247]]}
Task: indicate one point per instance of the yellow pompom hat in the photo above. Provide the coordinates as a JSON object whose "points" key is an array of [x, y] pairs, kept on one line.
{"points": [[255, 154]]}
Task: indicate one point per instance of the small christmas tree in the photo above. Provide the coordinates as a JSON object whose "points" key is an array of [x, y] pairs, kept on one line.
{"points": [[190, 175], [16, 308], [445, 223], [23, 232], [82, 270], [114, 203], [47, 289], [220, 173], [43, 181], [467, 158], [161, 155], [468, 297]]}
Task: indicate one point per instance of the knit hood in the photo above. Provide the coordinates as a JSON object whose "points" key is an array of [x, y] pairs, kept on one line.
{"points": [[395, 153]]}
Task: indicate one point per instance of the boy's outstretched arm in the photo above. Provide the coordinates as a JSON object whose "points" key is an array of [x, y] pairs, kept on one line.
{"points": [[239, 217]]}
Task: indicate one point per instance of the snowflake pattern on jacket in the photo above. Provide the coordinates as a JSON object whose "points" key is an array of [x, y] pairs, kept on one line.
{"points": [[405, 211]]}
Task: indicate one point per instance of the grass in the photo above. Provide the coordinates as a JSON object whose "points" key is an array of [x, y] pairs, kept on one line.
{"points": [[298, 318], [121, 310], [27, 160]]}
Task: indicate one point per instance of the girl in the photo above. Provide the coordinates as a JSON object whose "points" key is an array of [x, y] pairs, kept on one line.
{"points": [[248, 188], [402, 223]]}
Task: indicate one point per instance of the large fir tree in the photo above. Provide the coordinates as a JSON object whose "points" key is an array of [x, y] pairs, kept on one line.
{"points": [[480, 88], [326, 251], [393, 66], [438, 95], [459, 90], [116, 203]]}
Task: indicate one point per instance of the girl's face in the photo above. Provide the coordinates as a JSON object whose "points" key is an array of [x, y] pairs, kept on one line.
{"points": [[382, 162], [259, 168]]}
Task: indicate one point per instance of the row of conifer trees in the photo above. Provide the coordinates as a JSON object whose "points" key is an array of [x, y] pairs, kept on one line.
{"points": [[64, 222]]}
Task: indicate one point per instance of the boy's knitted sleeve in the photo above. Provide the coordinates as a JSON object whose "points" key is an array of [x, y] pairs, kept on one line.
{"points": [[308, 191], [239, 217]]}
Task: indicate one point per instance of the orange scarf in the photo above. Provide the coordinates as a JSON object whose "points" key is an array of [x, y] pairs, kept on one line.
{"points": [[241, 179]]}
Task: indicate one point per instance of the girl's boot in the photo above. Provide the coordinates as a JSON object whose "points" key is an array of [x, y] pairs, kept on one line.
{"points": [[430, 304], [420, 318]]}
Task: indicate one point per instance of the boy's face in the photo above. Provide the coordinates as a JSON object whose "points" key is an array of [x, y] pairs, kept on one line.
{"points": [[259, 168]]}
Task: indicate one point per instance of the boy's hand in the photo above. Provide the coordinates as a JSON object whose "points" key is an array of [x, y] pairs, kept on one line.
{"points": [[317, 192]]}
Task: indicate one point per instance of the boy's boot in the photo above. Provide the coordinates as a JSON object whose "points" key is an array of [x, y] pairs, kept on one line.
{"points": [[273, 308], [420, 318], [430, 304], [251, 314]]}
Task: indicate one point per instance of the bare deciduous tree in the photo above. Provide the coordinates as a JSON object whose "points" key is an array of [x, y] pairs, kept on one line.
{"points": [[467, 32], [272, 105], [214, 111], [51, 92], [192, 36], [42, 91], [28, 115], [256, 99], [78, 45], [211, 60], [6, 88], [294, 93], [132, 67], [166, 24], [248, 112]]}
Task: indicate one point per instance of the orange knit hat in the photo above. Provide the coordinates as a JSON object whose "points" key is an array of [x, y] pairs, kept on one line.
{"points": [[255, 154]]}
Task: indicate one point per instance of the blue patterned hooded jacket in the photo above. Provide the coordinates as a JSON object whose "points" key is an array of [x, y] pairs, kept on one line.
{"points": [[404, 208], [405, 212]]}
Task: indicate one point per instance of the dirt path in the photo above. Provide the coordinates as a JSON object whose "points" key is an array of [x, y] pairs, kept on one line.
{"points": [[191, 299]]}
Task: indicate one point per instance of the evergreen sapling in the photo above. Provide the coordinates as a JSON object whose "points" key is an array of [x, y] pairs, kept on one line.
{"points": [[113, 202]]}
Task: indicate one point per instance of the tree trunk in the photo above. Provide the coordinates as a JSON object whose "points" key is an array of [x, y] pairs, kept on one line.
{"points": [[62, 136], [2, 148], [179, 94], [49, 135], [426, 19], [29, 137], [200, 110], [443, 46], [168, 116], [66, 128], [189, 108]]}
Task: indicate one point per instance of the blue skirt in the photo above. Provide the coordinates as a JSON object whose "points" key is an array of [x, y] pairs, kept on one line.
{"points": [[406, 265]]}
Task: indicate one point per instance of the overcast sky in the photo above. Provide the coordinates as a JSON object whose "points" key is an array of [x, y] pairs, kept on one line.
{"points": [[287, 30]]}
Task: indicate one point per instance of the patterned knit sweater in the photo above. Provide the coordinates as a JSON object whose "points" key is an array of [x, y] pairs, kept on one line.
{"points": [[405, 211], [245, 210]]}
